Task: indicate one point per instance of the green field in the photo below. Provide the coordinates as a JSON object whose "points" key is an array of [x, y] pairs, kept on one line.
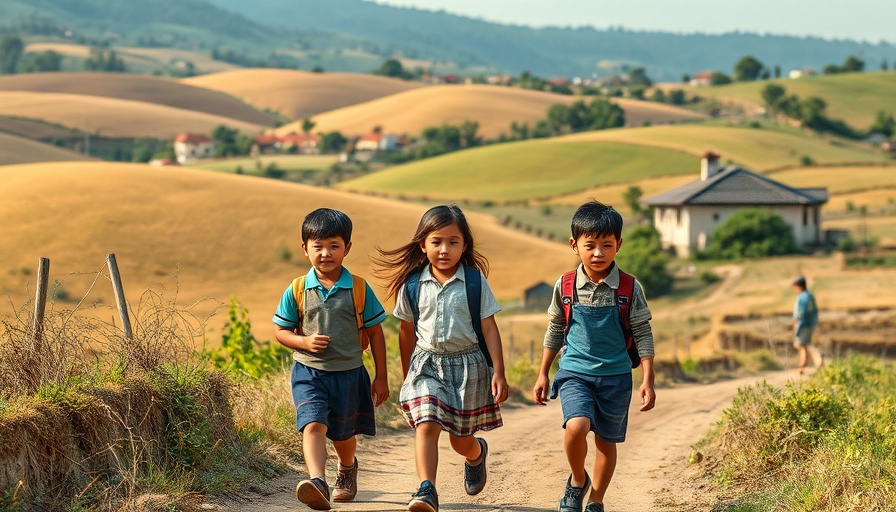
{"points": [[854, 97], [545, 168]]}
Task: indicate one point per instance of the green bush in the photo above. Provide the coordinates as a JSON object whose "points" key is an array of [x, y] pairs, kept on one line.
{"points": [[643, 257], [241, 352], [751, 233]]}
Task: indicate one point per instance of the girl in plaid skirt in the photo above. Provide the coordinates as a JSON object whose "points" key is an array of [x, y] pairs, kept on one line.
{"points": [[454, 375]]}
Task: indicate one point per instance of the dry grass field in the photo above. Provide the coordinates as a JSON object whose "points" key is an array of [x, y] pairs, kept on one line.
{"points": [[19, 150], [495, 108], [142, 88], [110, 117], [33, 129], [217, 234], [300, 94]]}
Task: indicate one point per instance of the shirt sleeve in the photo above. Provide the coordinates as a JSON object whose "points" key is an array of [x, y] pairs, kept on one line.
{"points": [[488, 304], [287, 313], [373, 310], [402, 309], [639, 318], [555, 334]]}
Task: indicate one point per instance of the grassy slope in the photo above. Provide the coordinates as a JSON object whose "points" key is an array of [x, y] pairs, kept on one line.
{"points": [[221, 234], [299, 94], [18, 150], [495, 108], [148, 89], [112, 117], [565, 165], [855, 97], [140, 58]]}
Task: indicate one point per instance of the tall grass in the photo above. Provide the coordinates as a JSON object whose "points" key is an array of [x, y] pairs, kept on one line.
{"points": [[828, 444]]}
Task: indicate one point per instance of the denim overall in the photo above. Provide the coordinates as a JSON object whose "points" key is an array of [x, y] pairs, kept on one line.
{"points": [[595, 371]]}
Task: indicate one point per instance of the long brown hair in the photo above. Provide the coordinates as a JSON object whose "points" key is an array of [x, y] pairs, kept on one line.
{"points": [[396, 265]]}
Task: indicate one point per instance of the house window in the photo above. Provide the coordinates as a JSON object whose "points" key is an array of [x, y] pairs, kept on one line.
{"points": [[805, 216], [715, 217]]}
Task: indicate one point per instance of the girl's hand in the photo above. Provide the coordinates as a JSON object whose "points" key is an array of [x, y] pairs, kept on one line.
{"points": [[316, 343], [379, 390], [499, 388]]}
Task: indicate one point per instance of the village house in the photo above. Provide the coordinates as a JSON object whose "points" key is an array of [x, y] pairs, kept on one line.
{"points": [[702, 79], [686, 216], [376, 141], [189, 147], [306, 144], [538, 296]]}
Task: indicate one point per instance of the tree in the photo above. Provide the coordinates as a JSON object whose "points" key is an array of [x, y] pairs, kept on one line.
{"points": [[772, 94], [751, 233], [638, 77], [676, 97], [41, 62], [853, 64], [307, 125], [332, 142], [884, 123], [719, 78], [392, 67], [748, 69], [642, 256], [605, 114], [777, 71], [632, 198], [11, 49], [224, 138], [100, 60]]}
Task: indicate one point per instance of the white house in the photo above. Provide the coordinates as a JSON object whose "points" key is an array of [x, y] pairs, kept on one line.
{"points": [[377, 142], [193, 146], [687, 215]]}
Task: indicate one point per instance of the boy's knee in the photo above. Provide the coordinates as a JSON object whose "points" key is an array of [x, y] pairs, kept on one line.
{"points": [[315, 428], [578, 426]]}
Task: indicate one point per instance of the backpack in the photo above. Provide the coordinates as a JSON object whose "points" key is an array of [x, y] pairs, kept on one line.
{"points": [[623, 301], [473, 285], [359, 297], [811, 315]]}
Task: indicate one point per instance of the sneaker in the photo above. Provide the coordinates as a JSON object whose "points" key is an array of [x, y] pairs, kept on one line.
{"points": [[315, 493], [425, 499], [594, 507], [346, 486], [475, 476], [574, 496]]}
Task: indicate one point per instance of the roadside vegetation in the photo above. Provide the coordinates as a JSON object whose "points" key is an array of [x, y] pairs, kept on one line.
{"points": [[824, 444]]}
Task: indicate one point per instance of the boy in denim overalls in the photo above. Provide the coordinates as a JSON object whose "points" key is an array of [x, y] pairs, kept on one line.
{"points": [[594, 380]]}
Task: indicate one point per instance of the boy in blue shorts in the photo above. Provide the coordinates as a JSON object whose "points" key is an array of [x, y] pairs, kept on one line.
{"points": [[318, 318], [594, 381]]}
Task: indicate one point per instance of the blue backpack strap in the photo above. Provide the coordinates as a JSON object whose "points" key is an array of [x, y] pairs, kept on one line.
{"points": [[473, 284], [412, 294]]}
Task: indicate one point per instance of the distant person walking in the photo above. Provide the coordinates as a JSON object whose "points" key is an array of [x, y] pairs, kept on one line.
{"points": [[805, 318]]}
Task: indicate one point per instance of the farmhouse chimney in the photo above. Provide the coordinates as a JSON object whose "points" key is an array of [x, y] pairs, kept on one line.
{"points": [[709, 165]]}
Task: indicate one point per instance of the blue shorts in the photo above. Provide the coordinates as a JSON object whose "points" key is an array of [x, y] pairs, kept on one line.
{"points": [[339, 400], [603, 400]]}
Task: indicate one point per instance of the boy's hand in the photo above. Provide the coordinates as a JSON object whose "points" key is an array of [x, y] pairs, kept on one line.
{"points": [[499, 388], [316, 343], [379, 390], [648, 396], [541, 390]]}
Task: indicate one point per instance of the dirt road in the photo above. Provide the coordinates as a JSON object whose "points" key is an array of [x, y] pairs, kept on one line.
{"points": [[527, 466]]}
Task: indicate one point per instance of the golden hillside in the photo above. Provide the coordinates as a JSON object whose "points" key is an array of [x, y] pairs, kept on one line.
{"points": [[137, 57], [300, 94], [220, 234], [19, 150], [110, 117], [495, 108], [143, 88]]}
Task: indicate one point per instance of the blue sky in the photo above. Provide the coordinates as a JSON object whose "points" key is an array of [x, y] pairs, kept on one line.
{"points": [[861, 20]]}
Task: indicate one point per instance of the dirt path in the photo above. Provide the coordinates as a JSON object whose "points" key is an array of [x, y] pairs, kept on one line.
{"points": [[527, 466]]}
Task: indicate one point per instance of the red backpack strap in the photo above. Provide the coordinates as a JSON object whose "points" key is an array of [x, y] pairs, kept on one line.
{"points": [[624, 300], [568, 294]]}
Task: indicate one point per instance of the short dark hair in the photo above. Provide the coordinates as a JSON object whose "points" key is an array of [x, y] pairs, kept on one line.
{"points": [[596, 219], [800, 281], [326, 223]]}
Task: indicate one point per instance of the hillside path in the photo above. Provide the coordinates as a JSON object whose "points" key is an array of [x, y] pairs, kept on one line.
{"points": [[527, 466]]}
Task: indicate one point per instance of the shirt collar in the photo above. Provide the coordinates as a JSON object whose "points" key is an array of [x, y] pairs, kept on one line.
{"points": [[612, 279], [344, 281], [426, 274]]}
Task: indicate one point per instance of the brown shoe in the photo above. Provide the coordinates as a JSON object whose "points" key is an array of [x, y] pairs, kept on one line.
{"points": [[346, 484], [315, 493]]}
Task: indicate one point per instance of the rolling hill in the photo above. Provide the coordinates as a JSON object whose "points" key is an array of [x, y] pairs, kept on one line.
{"points": [[111, 117], [495, 108], [208, 234], [142, 88], [300, 94], [853, 97], [563, 165], [147, 61], [19, 150]]}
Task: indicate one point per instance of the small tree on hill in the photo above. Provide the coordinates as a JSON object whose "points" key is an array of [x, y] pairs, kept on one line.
{"points": [[11, 49], [642, 256], [748, 68], [751, 233]]}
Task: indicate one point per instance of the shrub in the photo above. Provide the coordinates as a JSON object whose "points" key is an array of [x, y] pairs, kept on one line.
{"points": [[643, 257], [751, 233], [241, 352]]}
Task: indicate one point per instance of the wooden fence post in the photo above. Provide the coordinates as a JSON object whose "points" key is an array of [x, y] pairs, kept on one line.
{"points": [[40, 300], [119, 295]]}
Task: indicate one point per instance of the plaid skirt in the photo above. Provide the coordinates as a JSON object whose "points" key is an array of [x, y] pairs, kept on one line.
{"points": [[453, 390]]}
